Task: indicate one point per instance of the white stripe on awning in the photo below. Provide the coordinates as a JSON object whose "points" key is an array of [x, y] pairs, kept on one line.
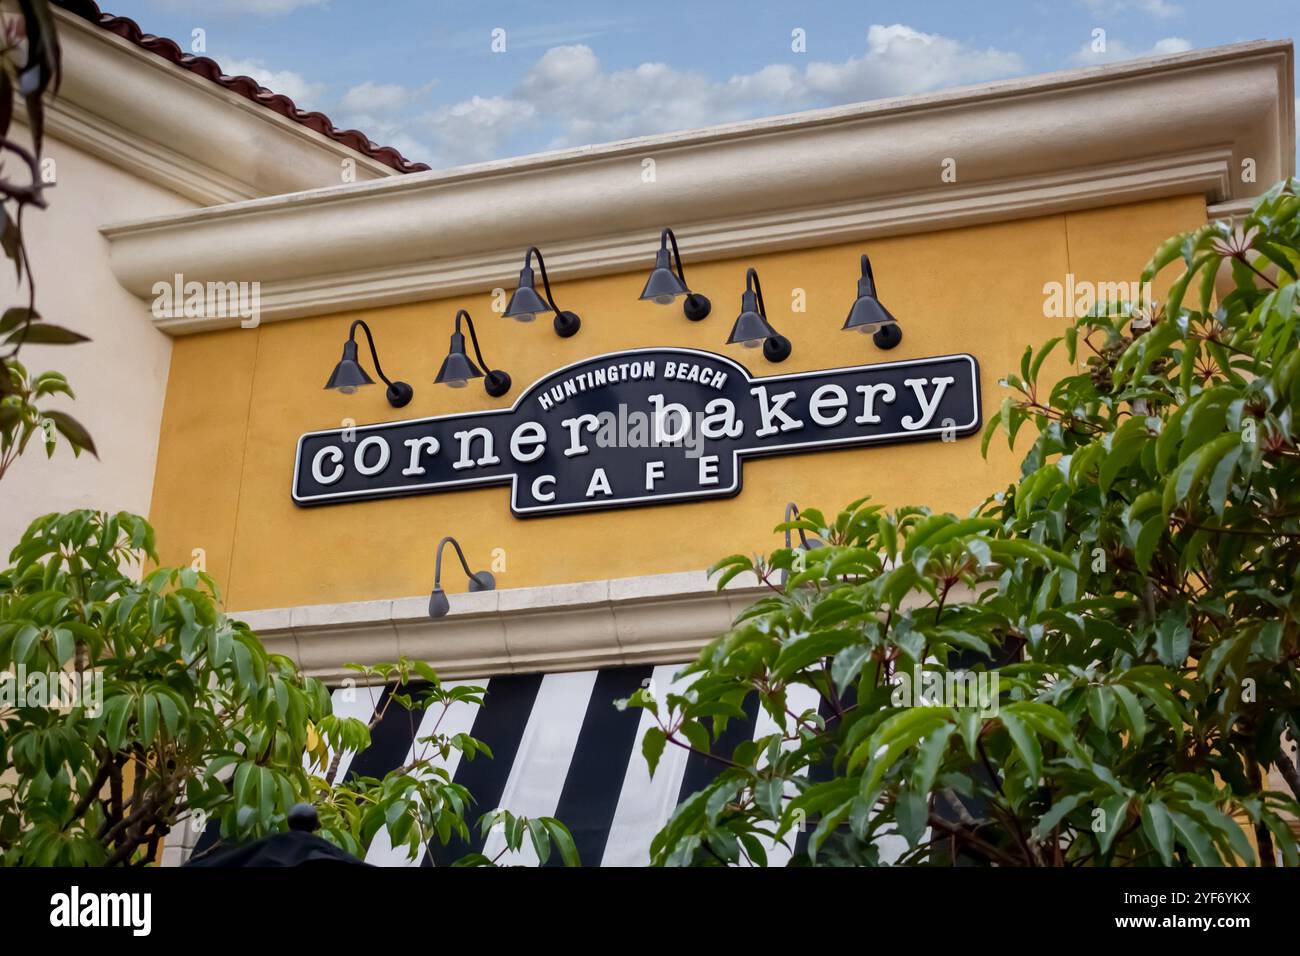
{"points": [[798, 698], [545, 752], [646, 802], [458, 718]]}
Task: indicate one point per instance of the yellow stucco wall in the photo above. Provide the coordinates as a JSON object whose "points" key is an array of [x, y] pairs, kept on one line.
{"points": [[237, 401]]}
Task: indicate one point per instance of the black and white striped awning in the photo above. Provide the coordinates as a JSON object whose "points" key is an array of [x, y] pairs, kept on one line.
{"points": [[561, 748]]}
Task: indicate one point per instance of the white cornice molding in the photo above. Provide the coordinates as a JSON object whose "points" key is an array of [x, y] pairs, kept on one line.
{"points": [[1146, 129], [655, 619], [652, 619], [156, 163], [1234, 211], [138, 111]]}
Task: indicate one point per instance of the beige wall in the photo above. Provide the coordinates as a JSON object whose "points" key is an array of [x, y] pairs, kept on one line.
{"points": [[120, 377]]}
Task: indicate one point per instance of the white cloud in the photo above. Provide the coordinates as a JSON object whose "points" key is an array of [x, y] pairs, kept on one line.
{"points": [[1170, 45], [1119, 50], [473, 130], [305, 94], [570, 92], [570, 98], [382, 97], [553, 33]]}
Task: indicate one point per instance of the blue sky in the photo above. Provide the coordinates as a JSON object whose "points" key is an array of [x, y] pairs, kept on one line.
{"points": [[423, 76]]}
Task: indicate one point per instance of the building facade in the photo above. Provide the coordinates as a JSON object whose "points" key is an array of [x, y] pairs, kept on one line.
{"points": [[986, 212]]}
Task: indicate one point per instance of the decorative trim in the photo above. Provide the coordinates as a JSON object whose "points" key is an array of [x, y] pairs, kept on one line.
{"points": [[148, 160], [141, 112], [1174, 125], [1234, 211], [652, 619], [655, 619]]}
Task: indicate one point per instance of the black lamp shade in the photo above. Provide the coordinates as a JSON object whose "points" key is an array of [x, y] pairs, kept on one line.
{"points": [[457, 369], [751, 329], [868, 315], [438, 603], [348, 375], [663, 286], [526, 303]]}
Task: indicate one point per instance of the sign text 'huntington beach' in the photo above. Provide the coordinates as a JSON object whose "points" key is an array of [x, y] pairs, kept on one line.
{"points": [[640, 427]]}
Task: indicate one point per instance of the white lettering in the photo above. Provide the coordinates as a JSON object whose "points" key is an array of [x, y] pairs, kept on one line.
{"points": [[540, 495], [466, 439], [774, 410], [529, 434], [917, 385], [359, 456], [869, 393], [708, 469], [828, 397], [335, 455], [574, 425], [662, 413], [720, 420], [416, 445], [599, 483]]}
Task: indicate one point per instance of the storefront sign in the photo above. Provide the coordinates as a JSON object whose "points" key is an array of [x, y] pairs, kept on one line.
{"points": [[640, 427]]}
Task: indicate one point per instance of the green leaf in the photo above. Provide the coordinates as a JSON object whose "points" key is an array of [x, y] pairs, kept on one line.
{"points": [[1153, 530], [72, 430], [1158, 826], [1026, 744], [652, 747], [1134, 714], [42, 333]]}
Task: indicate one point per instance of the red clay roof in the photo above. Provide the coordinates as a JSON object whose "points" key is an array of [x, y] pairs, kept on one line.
{"points": [[245, 86]]}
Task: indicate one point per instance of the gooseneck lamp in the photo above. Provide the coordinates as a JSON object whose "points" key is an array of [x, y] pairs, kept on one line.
{"points": [[805, 542], [868, 316], [664, 285], [752, 328], [457, 369], [478, 581], [526, 303], [348, 375]]}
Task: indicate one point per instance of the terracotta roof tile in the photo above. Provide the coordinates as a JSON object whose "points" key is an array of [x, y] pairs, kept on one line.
{"points": [[245, 86]]}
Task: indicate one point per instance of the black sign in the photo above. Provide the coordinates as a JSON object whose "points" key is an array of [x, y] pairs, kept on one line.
{"points": [[640, 427]]}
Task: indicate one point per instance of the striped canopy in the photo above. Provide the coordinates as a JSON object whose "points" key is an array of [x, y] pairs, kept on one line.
{"points": [[561, 748]]}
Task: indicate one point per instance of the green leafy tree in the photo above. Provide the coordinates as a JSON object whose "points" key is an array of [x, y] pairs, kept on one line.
{"points": [[178, 715], [1134, 592]]}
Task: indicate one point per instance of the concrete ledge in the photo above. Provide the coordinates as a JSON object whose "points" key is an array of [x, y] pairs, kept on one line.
{"points": [[656, 619]]}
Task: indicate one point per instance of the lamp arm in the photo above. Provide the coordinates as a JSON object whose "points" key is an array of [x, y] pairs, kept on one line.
{"points": [[792, 510], [374, 355], [669, 236], [437, 563], [546, 281], [751, 279], [472, 337], [868, 274]]}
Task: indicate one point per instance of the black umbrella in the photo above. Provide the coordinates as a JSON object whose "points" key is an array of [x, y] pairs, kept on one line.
{"points": [[298, 847]]}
